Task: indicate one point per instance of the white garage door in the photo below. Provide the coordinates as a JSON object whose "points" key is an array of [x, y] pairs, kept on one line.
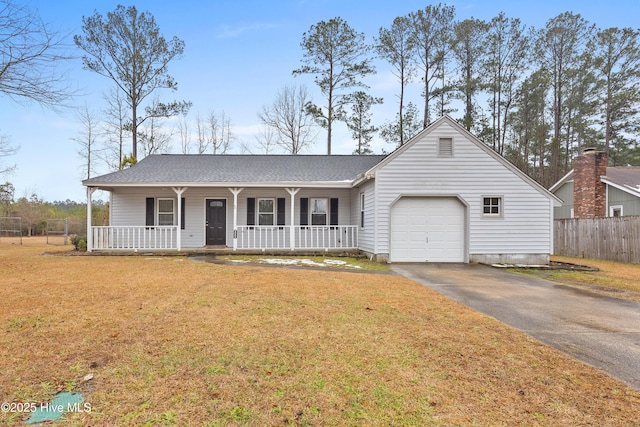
{"points": [[427, 229]]}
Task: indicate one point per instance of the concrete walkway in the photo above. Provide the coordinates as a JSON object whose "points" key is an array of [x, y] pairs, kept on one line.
{"points": [[599, 330]]}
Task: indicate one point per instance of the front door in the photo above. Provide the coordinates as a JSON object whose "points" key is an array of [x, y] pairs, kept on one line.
{"points": [[216, 222]]}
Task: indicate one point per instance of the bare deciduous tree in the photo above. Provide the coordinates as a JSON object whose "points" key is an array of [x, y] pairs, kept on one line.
{"points": [[184, 130], [286, 115], [220, 132], [214, 133], [87, 138], [6, 149], [30, 52], [114, 129], [266, 139], [154, 138]]}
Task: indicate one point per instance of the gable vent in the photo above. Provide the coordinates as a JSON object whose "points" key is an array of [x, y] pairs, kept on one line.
{"points": [[445, 147]]}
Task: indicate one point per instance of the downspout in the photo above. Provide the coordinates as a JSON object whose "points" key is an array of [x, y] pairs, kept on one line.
{"points": [[552, 229]]}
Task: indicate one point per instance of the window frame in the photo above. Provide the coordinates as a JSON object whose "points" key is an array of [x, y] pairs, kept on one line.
{"points": [[491, 205], [326, 211], [260, 213], [614, 208], [160, 213]]}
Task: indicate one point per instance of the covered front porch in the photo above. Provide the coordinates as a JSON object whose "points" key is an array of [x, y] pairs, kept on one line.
{"points": [[282, 233]]}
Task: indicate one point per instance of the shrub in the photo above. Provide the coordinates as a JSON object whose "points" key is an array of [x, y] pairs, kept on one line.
{"points": [[79, 243]]}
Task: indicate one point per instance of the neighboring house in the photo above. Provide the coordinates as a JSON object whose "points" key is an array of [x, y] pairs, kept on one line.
{"points": [[593, 190], [444, 196]]}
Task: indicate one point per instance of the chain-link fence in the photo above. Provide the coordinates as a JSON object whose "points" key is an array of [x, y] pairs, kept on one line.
{"points": [[11, 229]]}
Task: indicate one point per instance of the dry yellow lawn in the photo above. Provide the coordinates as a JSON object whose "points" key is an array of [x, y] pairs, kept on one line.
{"points": [[614, 278], [174, 341]]}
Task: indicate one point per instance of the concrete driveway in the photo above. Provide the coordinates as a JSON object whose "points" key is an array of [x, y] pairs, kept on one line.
{"points": [[599, 330]]}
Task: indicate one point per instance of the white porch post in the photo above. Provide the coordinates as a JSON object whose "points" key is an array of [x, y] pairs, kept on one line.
{"points": [[292, 237], [179, 191], [90, 191], [235, 192]]}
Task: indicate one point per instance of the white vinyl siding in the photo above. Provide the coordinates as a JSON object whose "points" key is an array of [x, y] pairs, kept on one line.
{"points": [[366, 235], [526, 227]]}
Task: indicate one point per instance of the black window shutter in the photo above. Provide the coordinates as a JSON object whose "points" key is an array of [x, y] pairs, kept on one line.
{"points": [[280, 208], [304, 211], [251, 211], [182, 208], [333, 208], [150, 211]]}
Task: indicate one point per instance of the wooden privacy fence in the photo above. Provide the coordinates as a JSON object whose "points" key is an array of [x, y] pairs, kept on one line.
{"points": [[613, 238]]}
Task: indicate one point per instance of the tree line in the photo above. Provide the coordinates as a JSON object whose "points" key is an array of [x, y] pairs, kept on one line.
{"points": [[537, 96], [35, 212]]}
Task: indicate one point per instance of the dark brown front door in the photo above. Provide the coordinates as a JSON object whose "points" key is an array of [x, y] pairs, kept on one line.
{"points": [[216, 222]]}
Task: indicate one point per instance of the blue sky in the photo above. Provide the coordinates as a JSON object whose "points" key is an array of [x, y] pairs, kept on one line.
{"points": [[238, 55]]}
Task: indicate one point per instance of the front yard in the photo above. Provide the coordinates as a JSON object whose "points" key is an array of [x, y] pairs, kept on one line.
{"points": [[171, 341]]}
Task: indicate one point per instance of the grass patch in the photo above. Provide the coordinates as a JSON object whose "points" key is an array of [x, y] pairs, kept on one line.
{"points": [[179, 342], [613, 278]]}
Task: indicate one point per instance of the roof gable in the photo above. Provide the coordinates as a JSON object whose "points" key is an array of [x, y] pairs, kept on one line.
{"points": [[568, 177], [474, 140]]}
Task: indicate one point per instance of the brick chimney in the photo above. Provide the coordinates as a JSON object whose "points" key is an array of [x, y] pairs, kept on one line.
{"points": [[589, 193]]}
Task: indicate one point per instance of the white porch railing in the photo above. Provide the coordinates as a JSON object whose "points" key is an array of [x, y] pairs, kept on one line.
{"points": [[135, 238], [264, 237], [305, 237], [249, 237]]}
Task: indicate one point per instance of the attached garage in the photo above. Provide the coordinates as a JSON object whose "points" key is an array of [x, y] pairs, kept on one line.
{"points": [[428, 229]]}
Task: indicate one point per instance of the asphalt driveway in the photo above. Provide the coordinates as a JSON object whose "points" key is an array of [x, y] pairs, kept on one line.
{"points": [[599, 330]]}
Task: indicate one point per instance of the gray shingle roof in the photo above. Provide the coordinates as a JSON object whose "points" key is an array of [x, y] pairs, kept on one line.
{"points": [[625, 176], [205, 168]]}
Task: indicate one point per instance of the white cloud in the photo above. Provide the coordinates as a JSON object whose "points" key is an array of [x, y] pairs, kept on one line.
{"points": [[229, 32]]}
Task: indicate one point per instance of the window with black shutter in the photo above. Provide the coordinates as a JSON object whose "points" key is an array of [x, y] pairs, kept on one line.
{"points": [[251, 211], [150, 213], [333, 212], [304, 211], [280, 220], [182, 213]]}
